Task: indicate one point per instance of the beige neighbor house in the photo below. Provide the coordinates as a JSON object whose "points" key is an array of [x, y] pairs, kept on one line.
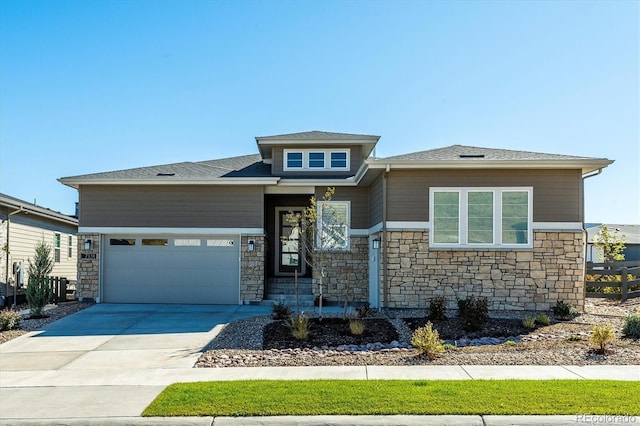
{"points": [[22, 226], [458, 221]]}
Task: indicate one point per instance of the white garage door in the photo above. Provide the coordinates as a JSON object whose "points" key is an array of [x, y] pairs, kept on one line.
{"points": [[161, 269]]}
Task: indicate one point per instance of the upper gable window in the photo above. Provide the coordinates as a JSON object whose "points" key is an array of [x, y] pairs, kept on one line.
{"points": [[294, 160], [316, 160]]}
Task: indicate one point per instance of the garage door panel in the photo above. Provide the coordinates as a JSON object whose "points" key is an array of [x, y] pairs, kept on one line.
{"points": [[171, 274]]}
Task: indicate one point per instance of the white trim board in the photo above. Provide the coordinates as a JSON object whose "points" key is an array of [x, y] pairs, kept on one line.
{"points": [[536, 226], [557, 226], [176, 231]]}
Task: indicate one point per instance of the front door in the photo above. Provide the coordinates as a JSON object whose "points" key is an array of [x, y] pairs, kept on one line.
{"points": [[289, 246]]}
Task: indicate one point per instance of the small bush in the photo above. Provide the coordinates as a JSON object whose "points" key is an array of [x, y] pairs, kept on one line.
{"points": [[543, 319], [427, 341], [564, 311], [38, 295], [474, 312], [529, 322], [574, 338], [356, 327], [510, 343], [448, 347], [438, 308], [299, 326], [365, 311], [602, 335], [631, 327], [281, 311], [9, 319]]}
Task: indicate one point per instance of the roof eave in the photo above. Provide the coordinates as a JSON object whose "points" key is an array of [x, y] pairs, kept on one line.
{"points": [[38, 211], [265, 145], [587, 166], [75, 183]]}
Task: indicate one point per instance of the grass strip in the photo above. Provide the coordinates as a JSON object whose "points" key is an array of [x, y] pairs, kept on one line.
{"points": [[393, 397]]}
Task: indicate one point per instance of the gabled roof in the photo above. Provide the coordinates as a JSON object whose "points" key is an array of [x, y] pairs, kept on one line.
{"points": [[631, 233], [462, 156], [316, 138], [246, 167], [26, 207]]}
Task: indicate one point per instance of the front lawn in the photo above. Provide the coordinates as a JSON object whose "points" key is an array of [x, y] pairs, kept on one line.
{"points": [[393, 397]]}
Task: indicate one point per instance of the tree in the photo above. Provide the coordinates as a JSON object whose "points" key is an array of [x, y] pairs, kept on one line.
{"points": [[38, 289], [611, 245], [321, 228]]}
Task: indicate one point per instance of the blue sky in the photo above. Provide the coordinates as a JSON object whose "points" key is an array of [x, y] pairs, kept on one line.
{"points": [[90, 86]]}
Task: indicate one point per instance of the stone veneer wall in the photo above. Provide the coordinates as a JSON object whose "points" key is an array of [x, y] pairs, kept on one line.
{"points": [[357, 261], [88, 269], [252, 269], [512, 280]]}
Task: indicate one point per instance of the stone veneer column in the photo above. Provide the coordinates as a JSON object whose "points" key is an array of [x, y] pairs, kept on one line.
{"points": [[340, 262], [252, 269], [512, 280], [88, 268]]}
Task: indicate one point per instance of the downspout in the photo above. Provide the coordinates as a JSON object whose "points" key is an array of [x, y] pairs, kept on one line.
{"points": [[385, 286], [585, 234], [6, 266]]}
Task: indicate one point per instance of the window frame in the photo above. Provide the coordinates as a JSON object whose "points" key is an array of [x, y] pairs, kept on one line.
{"points": [[70, 248], [57, 245], [463, 218], [347, 226], [306, 160]]}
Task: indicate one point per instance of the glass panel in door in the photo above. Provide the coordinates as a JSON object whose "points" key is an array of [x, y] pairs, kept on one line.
{"points": [[290, 247]]}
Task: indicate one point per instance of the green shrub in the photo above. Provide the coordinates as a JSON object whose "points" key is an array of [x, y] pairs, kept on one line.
{"points": [[574, 338], [299, 326], [38, 295], [356, 326], [510, 343], [529, 322], [474, 312], [564, 311], [438, 308], [427, 341], [543, 319], [631, 327], [602, 335], [9, 319], [281, 311]]}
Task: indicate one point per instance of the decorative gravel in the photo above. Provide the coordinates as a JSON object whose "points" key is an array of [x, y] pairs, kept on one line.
{"points": [[239, 344]]}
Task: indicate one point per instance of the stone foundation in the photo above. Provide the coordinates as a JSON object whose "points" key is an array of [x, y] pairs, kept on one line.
{"points": [[532, 280], [356, 261], [88, 269], [252, 269]]}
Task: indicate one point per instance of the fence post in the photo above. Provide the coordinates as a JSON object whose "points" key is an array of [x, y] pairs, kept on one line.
{"points": [[624, 284]]}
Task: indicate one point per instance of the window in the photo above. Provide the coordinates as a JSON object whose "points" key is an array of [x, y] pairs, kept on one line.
{"points": [[187, 242], [56, 247], [339, 160], [481, 217], [294, 160], [122, 241], [333, 225], [316, 160], [155, 242], [70, 246]]}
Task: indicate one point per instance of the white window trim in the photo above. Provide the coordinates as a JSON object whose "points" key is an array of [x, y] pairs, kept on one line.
{"points": [[305, 160], [497, 218], [347, 225]]}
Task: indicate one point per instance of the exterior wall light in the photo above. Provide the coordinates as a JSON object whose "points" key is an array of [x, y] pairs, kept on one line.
{"points": [[251, 245], [88, 244], [376, 243]]}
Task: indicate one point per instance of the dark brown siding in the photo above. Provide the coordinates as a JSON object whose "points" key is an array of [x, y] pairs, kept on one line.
{"points": [[557, 194], [375, 202], [355, 157], [359, 197], [172, 206]]}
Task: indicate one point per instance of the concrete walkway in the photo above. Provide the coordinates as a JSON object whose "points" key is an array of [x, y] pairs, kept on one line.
{"points": [[105, 364]]}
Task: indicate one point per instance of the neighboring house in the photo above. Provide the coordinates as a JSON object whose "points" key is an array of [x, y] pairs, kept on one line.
{"points": [[630, 233], [458, 221], [22, 226]]}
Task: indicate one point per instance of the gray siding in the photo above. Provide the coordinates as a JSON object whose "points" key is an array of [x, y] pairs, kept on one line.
{"points": [[557, 194], [172, 206], [359, 197], [375, 202], [355, 157]]}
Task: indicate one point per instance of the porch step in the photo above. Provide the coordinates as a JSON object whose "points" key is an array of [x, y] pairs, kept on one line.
{"points": [[289, 299], [286, 286]]}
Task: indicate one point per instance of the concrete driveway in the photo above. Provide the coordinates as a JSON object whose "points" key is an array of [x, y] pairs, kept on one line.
{"points": [[50, 368]]}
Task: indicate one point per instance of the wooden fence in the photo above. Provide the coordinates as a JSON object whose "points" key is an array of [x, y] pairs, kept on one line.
{"points": [[623, 269], [58, 288]]}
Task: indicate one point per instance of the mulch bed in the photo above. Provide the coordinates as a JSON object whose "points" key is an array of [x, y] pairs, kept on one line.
{"points": [[328, 332], [452, 328]]}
